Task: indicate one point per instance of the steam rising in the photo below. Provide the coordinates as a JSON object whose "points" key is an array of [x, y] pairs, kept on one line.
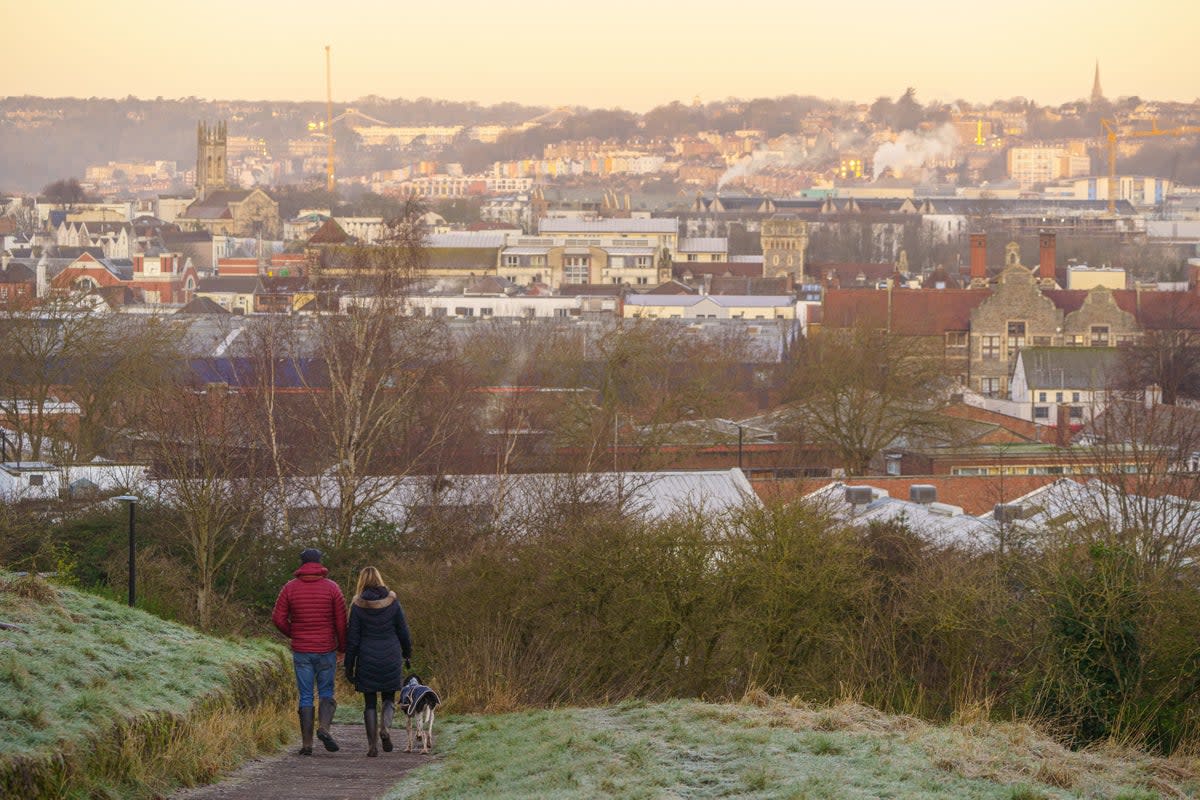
{"points": [[913, 150]]}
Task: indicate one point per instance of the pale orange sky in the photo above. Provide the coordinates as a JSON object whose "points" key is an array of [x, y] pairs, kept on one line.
{"points": [[627, 53]]}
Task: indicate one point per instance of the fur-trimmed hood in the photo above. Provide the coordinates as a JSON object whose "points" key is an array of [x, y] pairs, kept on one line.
{"points": [[367, 602]]}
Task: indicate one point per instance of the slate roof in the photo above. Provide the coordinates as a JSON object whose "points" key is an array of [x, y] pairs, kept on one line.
{"points": [[202, 305], [738, 269], [17, 272], [234, 284], [617, 225], [466, 239], [1084, 368], [216, 205], [722, 285], [329, 233]]}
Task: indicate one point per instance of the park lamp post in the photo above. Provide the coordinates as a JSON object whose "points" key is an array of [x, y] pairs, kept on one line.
{"points": [[132, 501], [737, 425]]}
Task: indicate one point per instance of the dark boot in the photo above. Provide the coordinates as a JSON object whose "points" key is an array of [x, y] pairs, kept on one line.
{"points": [[370, 719], [306, 731], [325, 718], [385, 738]]}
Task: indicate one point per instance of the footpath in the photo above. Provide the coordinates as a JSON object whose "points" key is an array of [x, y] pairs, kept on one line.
{"points": [[345, 775]]}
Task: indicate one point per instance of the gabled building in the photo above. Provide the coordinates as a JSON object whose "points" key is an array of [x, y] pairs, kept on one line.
{"points": [[230, 212]]}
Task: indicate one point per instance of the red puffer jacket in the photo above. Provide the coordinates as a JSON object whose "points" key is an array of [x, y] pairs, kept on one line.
{"points": [[312, 612]]}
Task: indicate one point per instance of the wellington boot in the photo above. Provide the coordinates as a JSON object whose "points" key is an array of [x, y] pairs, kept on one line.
{"points": [[385, 736], [370, 719], [325, 719], [306, 731]]}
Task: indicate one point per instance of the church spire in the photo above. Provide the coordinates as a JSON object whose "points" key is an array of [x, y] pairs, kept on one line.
{"points": [[1097, 92]]}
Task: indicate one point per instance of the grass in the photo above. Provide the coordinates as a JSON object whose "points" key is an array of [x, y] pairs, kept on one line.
{"points": [[100, 700], [772, 749]]}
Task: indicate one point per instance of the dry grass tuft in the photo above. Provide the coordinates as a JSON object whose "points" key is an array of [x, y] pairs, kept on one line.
{"points": [[30, 587]]}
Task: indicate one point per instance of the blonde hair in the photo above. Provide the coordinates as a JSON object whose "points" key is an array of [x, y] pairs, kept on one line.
{"points": [[368, 577]]}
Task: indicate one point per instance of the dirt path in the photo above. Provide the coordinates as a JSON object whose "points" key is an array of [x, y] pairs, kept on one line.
{"points": [[347, 773]]}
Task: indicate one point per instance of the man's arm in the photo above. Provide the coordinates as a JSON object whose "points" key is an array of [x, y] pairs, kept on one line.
{"points": [[281, 616], [339, 617]]}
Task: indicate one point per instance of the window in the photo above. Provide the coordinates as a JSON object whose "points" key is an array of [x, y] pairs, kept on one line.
{"points": [[463, 311], [537, 261], [616, 262], [956, 339], [439, 311], [643, 281], [1076, 412], [37, 480], [1016, 336], [1041, 412], [485, 312], [512, 261], [1041, 397], [1041, 341], [1058, 396], [1074, 397], [693, 256], [643, 262], [1099, 336], [1074, 340], [575, 269], [989, 346], [562, 312], [990, 387]]}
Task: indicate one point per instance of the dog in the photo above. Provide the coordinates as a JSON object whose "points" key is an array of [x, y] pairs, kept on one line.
{"points": [[418, 702]]}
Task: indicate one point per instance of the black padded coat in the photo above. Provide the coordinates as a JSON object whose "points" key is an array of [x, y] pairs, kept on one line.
{"points": [[377, 642]]}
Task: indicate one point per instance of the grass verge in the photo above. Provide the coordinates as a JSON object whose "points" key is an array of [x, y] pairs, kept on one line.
{"points": [[99, 700], [772, 749]]}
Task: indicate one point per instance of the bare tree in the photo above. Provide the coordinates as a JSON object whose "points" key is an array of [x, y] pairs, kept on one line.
{"points": [[856, 390], [1168, 354], [215, 485]]}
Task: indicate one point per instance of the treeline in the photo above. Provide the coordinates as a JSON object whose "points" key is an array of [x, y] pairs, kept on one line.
{"points": [[562, 600]]}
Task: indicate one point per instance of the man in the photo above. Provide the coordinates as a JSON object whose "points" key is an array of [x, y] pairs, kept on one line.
{"points": [[312, 613]]}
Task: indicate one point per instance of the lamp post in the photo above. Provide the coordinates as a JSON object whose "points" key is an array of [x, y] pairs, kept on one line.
{"points": [[737, 425], [132, 501]]}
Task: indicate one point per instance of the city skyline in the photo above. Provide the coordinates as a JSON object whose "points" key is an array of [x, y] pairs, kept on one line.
{"points": [[622, 54]]}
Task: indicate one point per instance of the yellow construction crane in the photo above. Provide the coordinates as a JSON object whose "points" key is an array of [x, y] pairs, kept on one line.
{"points": [[329, 184], [1112, 131]]}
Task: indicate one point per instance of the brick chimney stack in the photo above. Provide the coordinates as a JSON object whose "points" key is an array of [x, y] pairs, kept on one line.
{"points": [[978, 257], [1046, 256]]}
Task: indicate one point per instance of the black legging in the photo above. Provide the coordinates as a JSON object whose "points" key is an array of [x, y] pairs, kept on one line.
{"points": [[369, 699]]}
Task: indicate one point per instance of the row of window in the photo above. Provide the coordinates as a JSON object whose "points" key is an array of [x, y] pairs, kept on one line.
{"points": [[989, 346]]}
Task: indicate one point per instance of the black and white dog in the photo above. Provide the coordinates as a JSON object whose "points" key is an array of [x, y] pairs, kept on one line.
{"points": [[418, 702]]}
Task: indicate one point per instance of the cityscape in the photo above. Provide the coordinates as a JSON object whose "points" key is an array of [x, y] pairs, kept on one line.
{"points": [[777, 415]]}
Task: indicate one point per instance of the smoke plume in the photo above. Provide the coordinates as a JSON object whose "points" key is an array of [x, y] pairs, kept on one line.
{"points": [[913, 150]]}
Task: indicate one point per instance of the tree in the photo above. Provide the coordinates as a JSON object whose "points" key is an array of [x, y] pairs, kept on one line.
{"points": [[856, 390], [1167, 355], [66, 192], [215, 484]]}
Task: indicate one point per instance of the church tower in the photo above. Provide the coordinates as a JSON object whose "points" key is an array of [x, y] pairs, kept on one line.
{"points": [[1097, 92], [210, 159]]}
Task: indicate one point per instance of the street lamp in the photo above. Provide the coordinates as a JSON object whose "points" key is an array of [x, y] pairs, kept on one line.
{"points": [[132, 501], [737, 425]]}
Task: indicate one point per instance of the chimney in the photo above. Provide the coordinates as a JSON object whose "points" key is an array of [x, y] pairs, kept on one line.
{"points": [[1062, 430], [1046, 256], [978, 257]]}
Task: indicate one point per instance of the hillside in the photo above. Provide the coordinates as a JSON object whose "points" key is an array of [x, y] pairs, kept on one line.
{"points": [[100, 700], [773, 749]]}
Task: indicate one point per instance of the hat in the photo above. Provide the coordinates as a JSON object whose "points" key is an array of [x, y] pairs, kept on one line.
{"points": [[309, 555]]}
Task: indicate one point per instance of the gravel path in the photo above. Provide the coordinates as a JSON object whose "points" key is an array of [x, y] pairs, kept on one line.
{"points": [[347, 774]]}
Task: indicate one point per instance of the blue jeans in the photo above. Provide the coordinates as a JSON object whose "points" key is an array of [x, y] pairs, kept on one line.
{"points": [[317, 667]]}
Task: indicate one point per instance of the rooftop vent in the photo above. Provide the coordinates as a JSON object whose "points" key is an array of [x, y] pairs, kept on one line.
{"points": [[1011, 512], [922, 493], [859, 495]]}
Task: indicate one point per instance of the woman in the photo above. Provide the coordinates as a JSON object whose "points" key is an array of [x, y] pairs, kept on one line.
{"points": [[378, 647]]}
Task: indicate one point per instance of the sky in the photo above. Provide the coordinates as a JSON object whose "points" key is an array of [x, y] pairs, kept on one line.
{"points": [[633, 54]]}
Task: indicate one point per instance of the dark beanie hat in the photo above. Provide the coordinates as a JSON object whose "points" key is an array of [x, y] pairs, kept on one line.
{"points": [[309, 555]]}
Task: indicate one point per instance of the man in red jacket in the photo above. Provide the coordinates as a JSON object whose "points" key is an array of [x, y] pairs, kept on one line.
{"points": [[311, 612]]}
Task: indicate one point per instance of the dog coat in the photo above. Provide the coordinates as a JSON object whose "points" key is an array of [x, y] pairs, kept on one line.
{"points": [[411, 695]]}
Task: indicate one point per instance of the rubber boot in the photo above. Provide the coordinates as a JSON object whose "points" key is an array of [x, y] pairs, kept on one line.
{"points": [[370, 719], [325, 718], [385, 737], [306, 731]]}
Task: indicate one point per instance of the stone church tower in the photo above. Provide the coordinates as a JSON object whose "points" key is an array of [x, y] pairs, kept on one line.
{"points": [[784, 241], [210, 159]]}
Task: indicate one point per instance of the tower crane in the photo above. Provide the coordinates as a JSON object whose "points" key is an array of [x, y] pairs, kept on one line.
{"points": [[1112, 132]]}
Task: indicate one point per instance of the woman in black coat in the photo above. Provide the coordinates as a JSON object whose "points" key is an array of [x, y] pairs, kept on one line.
{"points": [[378, 648]]}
